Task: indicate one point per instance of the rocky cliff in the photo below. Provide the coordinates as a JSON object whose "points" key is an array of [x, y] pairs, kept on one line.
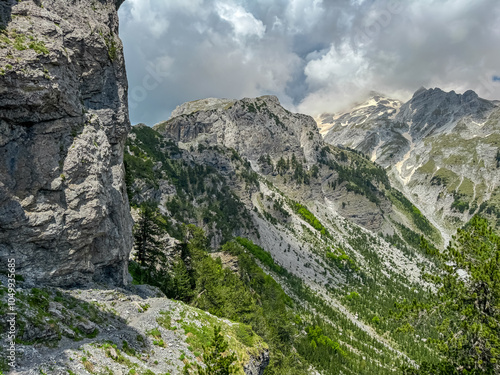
{"points": [[64, 213], [284, 146]]}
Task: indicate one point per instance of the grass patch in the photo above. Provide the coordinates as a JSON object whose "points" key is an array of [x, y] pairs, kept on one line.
{"points": [[261, 255]]}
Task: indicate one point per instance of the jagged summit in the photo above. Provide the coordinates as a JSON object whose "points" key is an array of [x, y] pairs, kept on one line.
{"points": [[216, 103], [434, 109], [201, 105], [421, 90], [436, 92], [440, 146], [251, 126], [426, 111], [377, 95], [376, 107]]}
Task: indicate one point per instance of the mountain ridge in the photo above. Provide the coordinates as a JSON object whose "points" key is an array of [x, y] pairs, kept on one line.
{"points": [[439, 149]]}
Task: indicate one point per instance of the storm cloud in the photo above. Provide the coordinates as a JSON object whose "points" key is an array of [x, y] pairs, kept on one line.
{"points": [[316, 56]]}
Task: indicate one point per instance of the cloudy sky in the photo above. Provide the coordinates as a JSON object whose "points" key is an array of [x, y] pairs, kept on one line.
{"points": [[316, 55]]}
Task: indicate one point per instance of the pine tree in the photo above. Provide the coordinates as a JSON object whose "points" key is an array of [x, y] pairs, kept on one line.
{"points": [[180, 281], [466, 306], [146, 243], [216, 357], [281, 166]]}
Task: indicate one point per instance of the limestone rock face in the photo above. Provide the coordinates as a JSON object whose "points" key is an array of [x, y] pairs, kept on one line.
{"points": [[261, 127], [253, 127], [257, 365], [64, 213]]}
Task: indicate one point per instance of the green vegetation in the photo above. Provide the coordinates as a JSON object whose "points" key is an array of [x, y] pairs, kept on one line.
{"points": [[360, 176], [342, 261], [428, 168], [216, 359], [322, 350], [111, 45], [446, 178], [464, 306], [22, 42], [459, 204], [491, 209], [418, 219], [250, 297], [39, 47], [19, 40], [145, 232], [309, 218], [198, 326], [203, 195], [296, 170], [261, 255]]}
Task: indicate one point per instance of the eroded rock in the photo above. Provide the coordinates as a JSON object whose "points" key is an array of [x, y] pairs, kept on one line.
{"points": [[64, 212]]}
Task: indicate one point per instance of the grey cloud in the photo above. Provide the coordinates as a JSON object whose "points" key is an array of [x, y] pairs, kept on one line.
{"points": [[315, 55]]}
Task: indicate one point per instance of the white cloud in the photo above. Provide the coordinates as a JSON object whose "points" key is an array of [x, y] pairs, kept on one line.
{"points": [[144, 13], [335, 79], [243, 22], [302, 15]]}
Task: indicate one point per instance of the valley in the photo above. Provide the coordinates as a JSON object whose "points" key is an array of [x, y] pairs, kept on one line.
{"points": [[235, 236]]}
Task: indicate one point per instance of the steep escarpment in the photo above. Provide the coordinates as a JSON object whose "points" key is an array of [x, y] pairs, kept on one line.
{"points": [[64, 213], [279, 144]]}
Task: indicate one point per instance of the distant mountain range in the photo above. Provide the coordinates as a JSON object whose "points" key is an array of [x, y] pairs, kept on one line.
{"points": [[440, 148]]}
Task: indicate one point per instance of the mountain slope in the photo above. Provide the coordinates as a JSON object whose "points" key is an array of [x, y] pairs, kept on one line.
{"points": [[295, 197], [115, 330], [355, 128], [439, 148], [287, 149]]}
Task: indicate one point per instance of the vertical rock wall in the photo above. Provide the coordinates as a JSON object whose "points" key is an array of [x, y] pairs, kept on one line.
{"points": [[64, 213]]}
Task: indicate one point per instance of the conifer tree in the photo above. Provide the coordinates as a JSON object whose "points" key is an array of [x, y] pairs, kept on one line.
{"points": [[145, 232], [180, 281], [465, 308], [216, 357]]}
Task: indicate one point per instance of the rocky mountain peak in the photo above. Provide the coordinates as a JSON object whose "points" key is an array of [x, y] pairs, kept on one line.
{"points": [[438, 95], [421, 90], [470, 95], [354, 123], [377, 95], [439, 146], [270, 99], [201, 105], [433, 109], [251, 126]]}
